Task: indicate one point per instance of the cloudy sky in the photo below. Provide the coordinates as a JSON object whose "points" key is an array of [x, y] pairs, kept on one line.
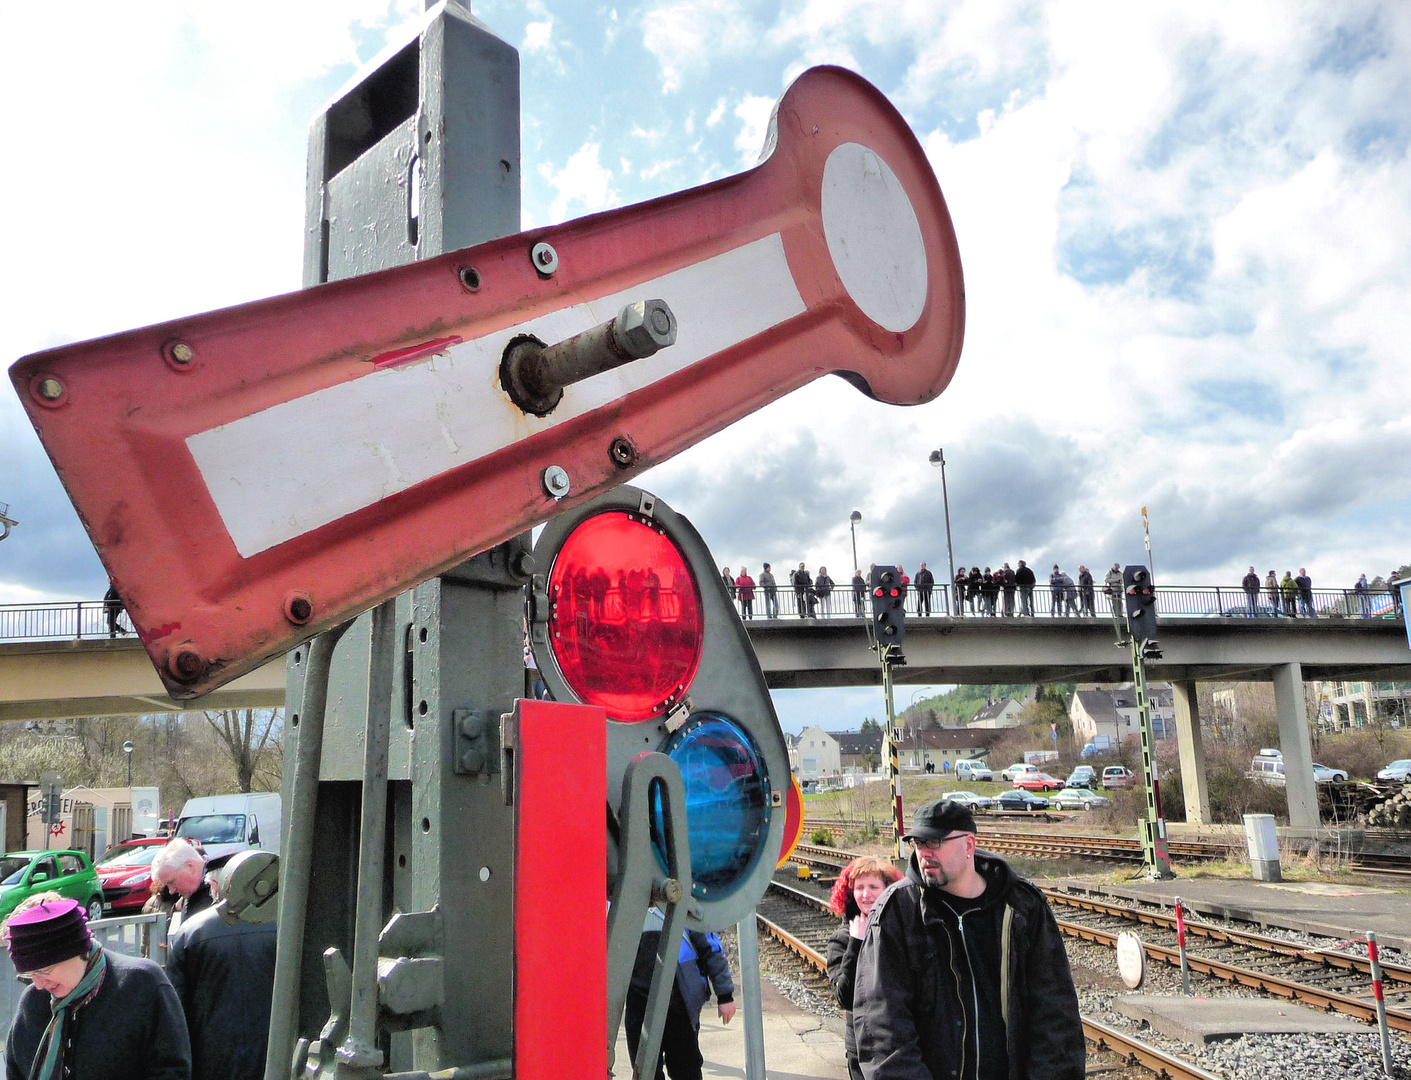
{"points": [[1186, 232]]}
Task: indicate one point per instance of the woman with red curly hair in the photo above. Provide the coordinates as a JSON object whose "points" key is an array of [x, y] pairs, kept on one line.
{"points": [[855, 892]]}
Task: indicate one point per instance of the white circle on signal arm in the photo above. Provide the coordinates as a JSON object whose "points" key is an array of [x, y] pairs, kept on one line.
{"points": [[1131, 959], [873, 237]]}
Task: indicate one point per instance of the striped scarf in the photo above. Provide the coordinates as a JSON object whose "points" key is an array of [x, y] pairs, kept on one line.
{"points": [[47, 1055]]}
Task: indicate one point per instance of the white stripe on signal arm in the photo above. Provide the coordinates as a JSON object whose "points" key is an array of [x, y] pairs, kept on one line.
{"points": [[291, 468]]}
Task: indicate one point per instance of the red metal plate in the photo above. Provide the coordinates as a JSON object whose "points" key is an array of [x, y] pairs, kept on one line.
{"points": [[560, 891], [793, 820], [254, 475]]}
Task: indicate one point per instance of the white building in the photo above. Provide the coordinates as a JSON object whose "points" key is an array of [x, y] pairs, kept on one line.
{"points": [[1113, 713], [1003, 713], [814, 753]]}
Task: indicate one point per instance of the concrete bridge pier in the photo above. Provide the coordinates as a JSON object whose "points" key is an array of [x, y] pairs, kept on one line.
{"points": [[1297, 746], [1192, 753]]}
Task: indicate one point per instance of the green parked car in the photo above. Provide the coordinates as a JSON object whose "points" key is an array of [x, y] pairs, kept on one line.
{"points": [[68, 873]]}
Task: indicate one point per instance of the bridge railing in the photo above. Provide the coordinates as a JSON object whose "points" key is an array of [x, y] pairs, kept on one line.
{"points": [[88, 619], [1049, 602], [79, 619]]}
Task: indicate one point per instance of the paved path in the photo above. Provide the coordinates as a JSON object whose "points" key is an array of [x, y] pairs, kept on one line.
{"points": [[797, 1044]]}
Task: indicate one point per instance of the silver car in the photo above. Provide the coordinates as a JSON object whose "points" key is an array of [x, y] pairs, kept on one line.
{"points": [[1397, 770], [1079, 799], [970, 799]]}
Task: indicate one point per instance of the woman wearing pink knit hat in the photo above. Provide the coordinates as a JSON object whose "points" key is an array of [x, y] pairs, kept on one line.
{"points": [[89, 1014]]}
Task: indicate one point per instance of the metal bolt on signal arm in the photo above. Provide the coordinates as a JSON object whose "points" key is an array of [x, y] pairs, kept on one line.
{"points": [[534, 374]]}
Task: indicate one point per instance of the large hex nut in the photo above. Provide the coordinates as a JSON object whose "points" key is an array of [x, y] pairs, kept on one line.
{"points": [[644, 328]]}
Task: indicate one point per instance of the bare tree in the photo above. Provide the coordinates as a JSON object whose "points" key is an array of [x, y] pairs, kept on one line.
{"points": [[249, 736]]}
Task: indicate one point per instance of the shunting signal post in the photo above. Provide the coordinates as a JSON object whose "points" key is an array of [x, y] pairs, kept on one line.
{"points": [[1141, 640], [889, 628], [353, 473]]}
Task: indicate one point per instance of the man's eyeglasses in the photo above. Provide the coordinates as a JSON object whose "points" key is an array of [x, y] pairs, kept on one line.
{"points": [[28, 977], [935, 845]]}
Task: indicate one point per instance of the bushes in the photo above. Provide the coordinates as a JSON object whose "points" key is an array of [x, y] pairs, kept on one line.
{"points": [[822, 837], [1361, 752]]}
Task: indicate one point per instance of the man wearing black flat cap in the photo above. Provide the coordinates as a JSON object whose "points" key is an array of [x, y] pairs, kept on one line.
{"points": [[963, 973]]}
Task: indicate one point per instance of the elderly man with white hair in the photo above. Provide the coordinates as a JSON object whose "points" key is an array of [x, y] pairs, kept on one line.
{"points": [[179, 882]]}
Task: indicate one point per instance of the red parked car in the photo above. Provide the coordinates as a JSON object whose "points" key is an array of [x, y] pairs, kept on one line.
{"points": [[125, 872], [1042, 782]]}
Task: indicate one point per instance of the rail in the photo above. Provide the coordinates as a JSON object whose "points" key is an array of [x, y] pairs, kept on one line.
{"points": [[1046, 601], [92, 619]]}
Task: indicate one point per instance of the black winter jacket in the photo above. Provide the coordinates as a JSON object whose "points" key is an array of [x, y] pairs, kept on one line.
{"points": [[908, 1018], [224, 976], [842, 966], [130, 1029]]}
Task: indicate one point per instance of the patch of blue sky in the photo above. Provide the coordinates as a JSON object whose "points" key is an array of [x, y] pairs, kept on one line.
{"points": [[1385, 138], [1248, 398], [1350, 47], [1350, 365], [1174, 252]]}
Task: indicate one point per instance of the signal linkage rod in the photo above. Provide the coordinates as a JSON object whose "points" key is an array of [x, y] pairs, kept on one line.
{"points": [[534, 374]]}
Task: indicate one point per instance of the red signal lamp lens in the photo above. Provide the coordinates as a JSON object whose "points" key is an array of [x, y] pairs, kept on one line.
{"points": [[626, 624]]}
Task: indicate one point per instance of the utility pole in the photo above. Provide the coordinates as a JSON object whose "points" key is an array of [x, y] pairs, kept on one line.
{"points": [[938, 459]]}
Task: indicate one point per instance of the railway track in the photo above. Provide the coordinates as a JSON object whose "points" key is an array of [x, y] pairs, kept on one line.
{"points": [[1328, 979], [1128, 849], [801, 923]]}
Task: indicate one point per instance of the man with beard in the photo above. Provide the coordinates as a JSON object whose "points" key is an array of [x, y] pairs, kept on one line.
{"points": [[963, 974]]}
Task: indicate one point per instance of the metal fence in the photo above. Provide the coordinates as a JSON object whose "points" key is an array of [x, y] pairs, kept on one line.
{"points": [[131, 935], [1049, 602], [88, 619]]}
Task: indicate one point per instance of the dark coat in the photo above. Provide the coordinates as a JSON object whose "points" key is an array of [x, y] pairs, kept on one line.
{"points": [[842, 966], [909, 1019], [1024, 576], [925, 581], [131, 1029], [224, 976], [700, 967]]}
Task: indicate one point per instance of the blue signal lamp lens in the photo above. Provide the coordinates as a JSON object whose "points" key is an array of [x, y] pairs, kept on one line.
{"points": [[727, 803]]}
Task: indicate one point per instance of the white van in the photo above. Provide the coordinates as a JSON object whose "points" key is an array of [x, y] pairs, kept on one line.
{"points": [[225, 824], [1268, 767], [973, 770]]}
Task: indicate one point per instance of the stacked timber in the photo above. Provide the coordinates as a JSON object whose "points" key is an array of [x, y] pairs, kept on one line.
{"points": [[1393, 812]]}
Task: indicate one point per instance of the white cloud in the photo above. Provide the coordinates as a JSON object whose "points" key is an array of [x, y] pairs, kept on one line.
{"points": [[683, 35], [753, 113], [537, 36], [582, 182], [657, 168], [717, 114]]}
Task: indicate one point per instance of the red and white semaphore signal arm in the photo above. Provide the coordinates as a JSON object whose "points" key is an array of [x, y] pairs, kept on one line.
{"points": [[253, 475]]}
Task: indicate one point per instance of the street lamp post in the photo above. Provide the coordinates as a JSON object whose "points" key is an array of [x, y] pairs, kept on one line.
{"points": [[938, 459], [853, 519], [127, 749]]}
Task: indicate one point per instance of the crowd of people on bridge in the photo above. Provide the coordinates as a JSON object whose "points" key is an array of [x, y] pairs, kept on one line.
{"points": [[1006, 592], [1009, 592]]}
